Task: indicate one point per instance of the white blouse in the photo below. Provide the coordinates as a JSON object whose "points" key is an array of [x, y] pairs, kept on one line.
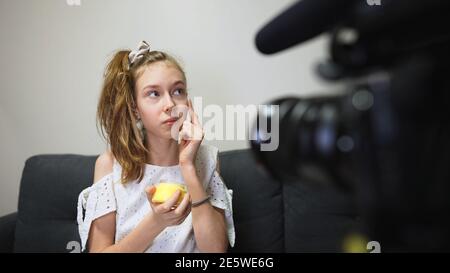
{"points": [[130, 202]]}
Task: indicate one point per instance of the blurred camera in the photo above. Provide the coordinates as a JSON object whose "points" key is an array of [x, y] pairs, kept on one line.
{"points": [[385, 136]]}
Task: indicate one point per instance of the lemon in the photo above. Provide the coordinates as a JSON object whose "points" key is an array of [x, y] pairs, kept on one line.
{"points": [[165, 190]]}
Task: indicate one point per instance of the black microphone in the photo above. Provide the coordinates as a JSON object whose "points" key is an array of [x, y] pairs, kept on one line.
{"points": [[300, 22]]}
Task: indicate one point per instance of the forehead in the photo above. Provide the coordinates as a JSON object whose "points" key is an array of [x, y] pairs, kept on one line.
{"points": [[160, 73]]}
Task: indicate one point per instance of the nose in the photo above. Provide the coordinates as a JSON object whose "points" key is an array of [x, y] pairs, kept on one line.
{"points": [[168, 104]]}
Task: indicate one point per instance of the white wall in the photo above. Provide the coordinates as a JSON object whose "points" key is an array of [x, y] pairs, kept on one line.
{"points": [[52, 57]]}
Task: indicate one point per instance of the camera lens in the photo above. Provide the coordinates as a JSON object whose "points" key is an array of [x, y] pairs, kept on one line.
{"points": [[312, 138]]}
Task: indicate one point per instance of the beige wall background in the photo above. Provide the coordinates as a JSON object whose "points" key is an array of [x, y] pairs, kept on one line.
{"points": [[52, 58]]}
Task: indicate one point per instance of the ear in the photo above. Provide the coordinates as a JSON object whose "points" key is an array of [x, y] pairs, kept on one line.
{"points": [[134, 108], [136, 113]]}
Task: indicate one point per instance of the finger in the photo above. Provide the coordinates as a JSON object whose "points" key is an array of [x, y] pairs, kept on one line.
{"points": [[183, 205], [190, 109], [185, 214], [188, 207], [188, 116], [171, 202], [188, 131], [181, 217], [185, 111], [181, 135], [194, 117], [193, 132], [183, 125], [190, 103], [150, 191], [188, 210]]}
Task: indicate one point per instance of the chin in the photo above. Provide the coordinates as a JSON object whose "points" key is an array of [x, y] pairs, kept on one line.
{"points": [[167, 136]]}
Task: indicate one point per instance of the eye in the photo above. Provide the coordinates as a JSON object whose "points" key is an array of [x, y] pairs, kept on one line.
{"points": [[178, 92], [152, 93]]}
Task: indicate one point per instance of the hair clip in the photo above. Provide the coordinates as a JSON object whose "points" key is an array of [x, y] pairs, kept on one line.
{"points": [[138, 53]]}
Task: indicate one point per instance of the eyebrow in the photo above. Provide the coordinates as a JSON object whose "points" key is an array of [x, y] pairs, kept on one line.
{"points": [[156, 86]]}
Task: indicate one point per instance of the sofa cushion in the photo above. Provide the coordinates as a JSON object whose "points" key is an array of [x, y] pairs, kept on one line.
{"points": [[7, 229], [48, 200], [317, 219], [257, 203]]}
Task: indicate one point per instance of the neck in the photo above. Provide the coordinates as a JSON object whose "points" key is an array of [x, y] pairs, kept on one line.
{"points": [[162, 152]]}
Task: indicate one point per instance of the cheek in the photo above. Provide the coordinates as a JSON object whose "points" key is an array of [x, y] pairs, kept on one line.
{"points": [[150, 115], [181, 101]]}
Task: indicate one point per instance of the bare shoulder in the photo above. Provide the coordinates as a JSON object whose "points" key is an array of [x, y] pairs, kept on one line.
{"points": [[103, 165]]}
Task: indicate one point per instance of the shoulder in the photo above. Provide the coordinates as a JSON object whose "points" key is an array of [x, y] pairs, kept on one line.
{"points": [[208, 154], [213, 150], [103, 165]]}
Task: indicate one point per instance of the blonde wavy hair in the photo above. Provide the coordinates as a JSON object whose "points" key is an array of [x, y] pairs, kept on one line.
{"points": [[116, 111]]}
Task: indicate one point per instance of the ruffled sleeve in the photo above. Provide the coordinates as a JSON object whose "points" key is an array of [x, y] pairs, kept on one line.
{"points": [[94, 202], [221, 196]]}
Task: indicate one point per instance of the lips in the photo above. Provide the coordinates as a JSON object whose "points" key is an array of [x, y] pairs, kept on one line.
{"points": [[171, 120]]}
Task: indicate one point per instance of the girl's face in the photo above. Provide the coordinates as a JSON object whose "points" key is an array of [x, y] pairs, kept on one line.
{"points": [[159, 88]]}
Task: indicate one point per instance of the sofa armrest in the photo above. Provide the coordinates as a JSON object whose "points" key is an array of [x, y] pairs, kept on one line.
{"points": [[7, 229]]}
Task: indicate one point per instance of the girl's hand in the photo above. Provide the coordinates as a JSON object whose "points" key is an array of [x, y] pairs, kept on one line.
{"points": [[167, 213], [191, 136]]}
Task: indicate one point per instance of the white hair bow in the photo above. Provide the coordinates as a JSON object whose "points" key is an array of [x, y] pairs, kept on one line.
{"points": [[138, 53]]}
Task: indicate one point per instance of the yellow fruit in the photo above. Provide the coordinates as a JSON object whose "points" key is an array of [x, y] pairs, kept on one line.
{"points": [[165, 190]]}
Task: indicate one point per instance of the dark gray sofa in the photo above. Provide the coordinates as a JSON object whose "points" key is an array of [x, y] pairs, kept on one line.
{"points": [[269, 216]]}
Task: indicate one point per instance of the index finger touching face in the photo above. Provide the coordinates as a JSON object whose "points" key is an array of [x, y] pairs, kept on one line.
{"points": [[192, 114]]}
